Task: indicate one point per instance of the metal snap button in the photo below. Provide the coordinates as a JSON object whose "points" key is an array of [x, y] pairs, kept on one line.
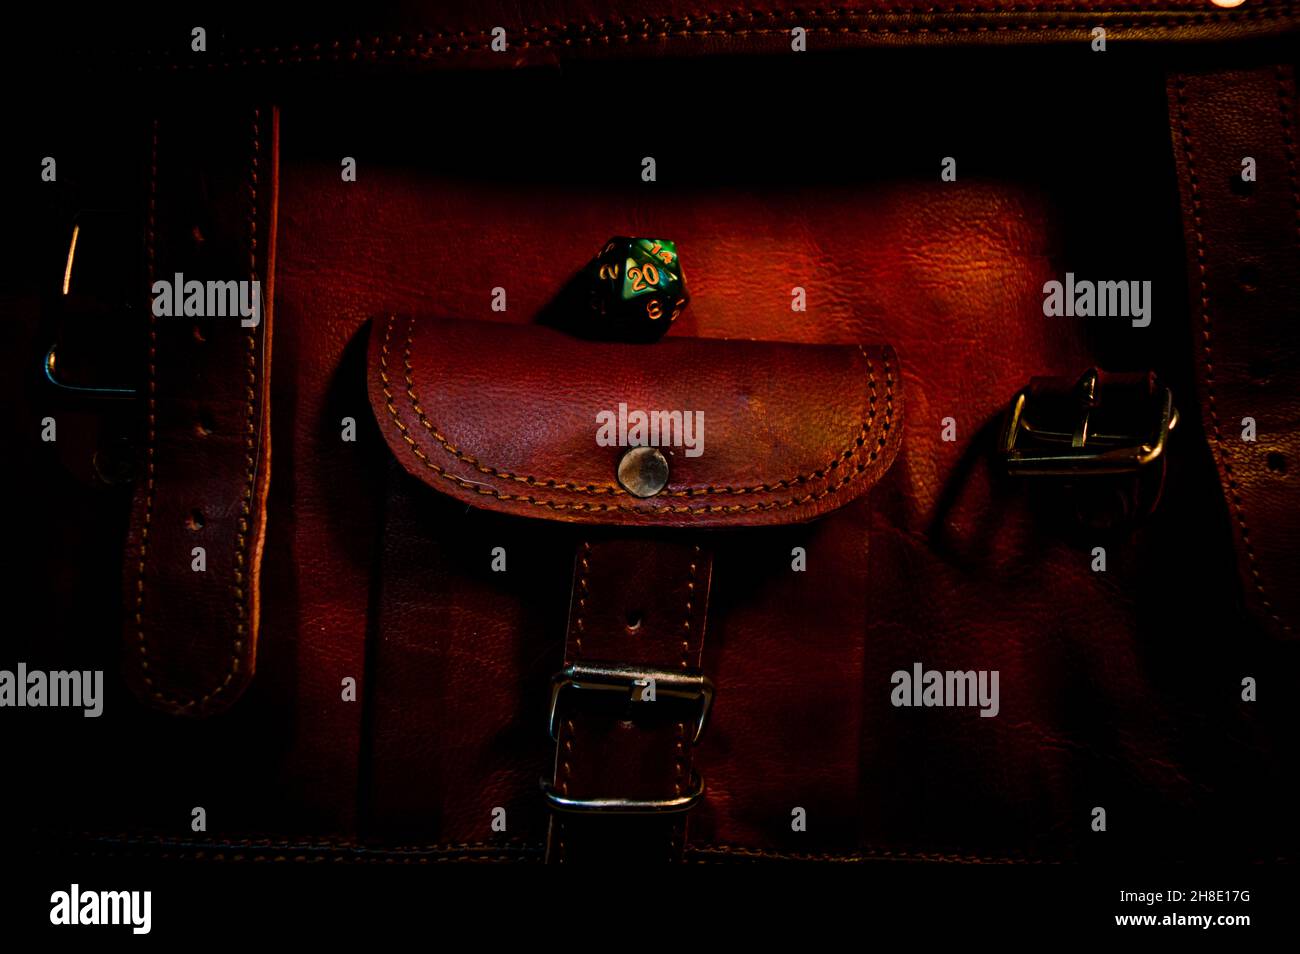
{"points": [[643, 471]]}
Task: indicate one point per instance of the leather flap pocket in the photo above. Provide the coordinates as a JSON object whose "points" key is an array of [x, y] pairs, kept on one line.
{"points": [[525, 420]]}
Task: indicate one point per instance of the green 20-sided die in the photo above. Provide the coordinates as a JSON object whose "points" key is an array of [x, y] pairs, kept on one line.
{"points": [[637, 288]]}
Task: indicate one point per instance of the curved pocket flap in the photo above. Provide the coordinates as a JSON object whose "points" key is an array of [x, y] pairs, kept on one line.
{"points": [[525, 420]]}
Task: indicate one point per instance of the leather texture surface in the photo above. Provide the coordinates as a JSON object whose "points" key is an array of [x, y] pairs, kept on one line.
{"points": [[507, 418], [1243, 240], [199, 516]]}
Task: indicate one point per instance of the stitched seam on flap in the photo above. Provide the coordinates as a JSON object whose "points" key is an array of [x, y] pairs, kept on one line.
{"points": [[604, 508], [856, 448]]}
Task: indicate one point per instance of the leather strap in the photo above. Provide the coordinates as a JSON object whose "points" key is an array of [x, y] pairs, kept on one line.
{"points": [[191, 633], [642, 602], [1243, 250]]}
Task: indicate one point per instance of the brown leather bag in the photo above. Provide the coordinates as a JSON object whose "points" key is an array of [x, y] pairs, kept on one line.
{"points": [[437, 617]]}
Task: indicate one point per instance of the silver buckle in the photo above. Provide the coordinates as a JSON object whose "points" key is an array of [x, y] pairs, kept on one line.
{"points": [[630, 680], [633, 681]]}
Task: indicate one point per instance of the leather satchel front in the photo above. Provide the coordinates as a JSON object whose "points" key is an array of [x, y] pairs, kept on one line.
{"points": [[420, 565]]}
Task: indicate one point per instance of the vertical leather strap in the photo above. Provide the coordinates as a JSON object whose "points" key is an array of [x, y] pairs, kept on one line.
{"points": [[638, 602], [191, 619], [1243, 250]]}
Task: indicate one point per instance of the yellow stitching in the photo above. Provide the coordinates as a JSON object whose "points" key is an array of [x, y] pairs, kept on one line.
{"points": [[702, 853], [662, 28], [241, 535], [819, 474], [605, 508], [1202, 253]]}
